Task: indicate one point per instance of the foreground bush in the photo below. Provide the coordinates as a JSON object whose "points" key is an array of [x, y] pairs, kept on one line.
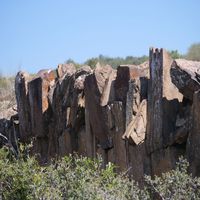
{"points": [[176, 184], [69, 178], [83, 178]]}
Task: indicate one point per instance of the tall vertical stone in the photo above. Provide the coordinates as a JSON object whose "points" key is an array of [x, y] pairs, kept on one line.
{"points": [[154, 104], [23, 106], [38, 91], [97, 89], [130, 90], [120, 145], [163, 100], [193, 142]]}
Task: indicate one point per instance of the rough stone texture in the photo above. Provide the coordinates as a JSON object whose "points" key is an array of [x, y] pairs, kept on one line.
{"points": [[186, 76], [134, 116], [68, 111], [167, 123], [154, 106], [64, 140], [136, 130], [193, 142], [163, 101], [163, 160], [117, 127], [23, 108], [131, 90], [64, 69], [38, 92], [97, 93], [139, 162], [9, 131]]}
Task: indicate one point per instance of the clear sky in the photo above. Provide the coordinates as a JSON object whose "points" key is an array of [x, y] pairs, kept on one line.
{"points": [[42, 33]]}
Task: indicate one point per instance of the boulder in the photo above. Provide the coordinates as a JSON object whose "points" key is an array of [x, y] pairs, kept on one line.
{"points": [[185, 75]]}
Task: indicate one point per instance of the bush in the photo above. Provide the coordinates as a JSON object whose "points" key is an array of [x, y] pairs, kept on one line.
{"points": [[83, 178], [116, 61], [69, 178], [18, 177], [175, 184]]}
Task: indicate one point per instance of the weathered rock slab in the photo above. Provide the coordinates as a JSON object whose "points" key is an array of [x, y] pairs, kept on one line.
{"points": [[186, 76]]}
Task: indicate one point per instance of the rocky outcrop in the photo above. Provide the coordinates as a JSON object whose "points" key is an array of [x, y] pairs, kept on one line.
{"points": [[186, 76], [142, 118]]}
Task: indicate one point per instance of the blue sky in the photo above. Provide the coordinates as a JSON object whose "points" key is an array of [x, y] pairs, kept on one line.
{"points": [[42, 33]]}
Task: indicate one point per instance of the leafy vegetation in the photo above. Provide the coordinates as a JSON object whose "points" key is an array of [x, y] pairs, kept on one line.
{"points": [[69, 178], [175, 54], [114, 62], [83, 178], [176, 184], [194, 52]]}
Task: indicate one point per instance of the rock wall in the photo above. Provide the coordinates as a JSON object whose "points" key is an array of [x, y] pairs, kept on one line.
{"points": [[142, 118]]}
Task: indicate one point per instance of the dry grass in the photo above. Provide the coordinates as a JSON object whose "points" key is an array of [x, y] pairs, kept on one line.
{"points": [[7, 97]]}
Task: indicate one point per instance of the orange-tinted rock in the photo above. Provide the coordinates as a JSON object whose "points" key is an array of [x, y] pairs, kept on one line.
{"points": [[64, 69]]}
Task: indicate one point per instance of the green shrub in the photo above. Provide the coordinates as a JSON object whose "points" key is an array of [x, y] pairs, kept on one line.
{"points": [[17, 176], [175, 184], [83, 178], [69, 178]]}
